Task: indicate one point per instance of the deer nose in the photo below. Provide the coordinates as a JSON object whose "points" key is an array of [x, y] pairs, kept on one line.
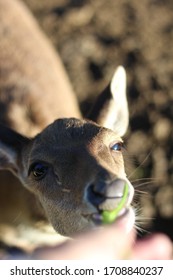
{"points": [[105, 195]]}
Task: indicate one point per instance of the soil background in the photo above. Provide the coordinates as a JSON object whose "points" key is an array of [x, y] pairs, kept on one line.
{"points": [[93, 38]]}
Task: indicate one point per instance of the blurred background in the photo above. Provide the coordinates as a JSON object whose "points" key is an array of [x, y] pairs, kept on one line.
{"points": [[93, 38]]}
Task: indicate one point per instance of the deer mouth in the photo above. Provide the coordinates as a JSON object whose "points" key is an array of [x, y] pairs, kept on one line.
{"points": [[114, 204], [99, 220], [126, 217]]}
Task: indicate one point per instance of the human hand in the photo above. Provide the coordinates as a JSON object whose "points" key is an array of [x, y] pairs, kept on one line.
{"points": [[110, 242]]}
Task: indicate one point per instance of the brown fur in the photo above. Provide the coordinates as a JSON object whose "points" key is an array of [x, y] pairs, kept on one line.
{"points": [[33, 83], [81, 165]]}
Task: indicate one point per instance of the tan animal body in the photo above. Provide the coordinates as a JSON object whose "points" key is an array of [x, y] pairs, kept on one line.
{"points": [[63, 169]]}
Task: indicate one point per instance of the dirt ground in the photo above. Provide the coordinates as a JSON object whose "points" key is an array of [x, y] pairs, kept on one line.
{"points": [[93, 37]]}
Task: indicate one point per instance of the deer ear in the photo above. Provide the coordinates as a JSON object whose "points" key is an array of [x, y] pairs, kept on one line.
{"points": [[11, 145], [111, 108]]}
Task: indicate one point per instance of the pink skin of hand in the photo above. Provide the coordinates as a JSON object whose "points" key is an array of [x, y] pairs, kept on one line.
{"points": [[111, 242]]}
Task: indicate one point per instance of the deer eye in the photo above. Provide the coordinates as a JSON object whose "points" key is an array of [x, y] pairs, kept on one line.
{"points": [[38, 170], [117, 147]]}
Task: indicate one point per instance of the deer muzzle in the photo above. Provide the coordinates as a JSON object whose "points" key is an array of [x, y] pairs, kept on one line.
{"points": [[112, 200]]}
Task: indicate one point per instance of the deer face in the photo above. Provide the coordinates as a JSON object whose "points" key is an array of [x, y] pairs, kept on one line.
{"points": [[75, 168], [70, 166]]}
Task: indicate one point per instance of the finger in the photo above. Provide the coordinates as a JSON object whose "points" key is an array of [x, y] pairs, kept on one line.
{"points": [[111, 242], [155, 247]]}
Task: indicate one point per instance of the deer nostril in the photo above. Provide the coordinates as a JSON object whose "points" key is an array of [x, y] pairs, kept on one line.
{"points": [[93, 196]]}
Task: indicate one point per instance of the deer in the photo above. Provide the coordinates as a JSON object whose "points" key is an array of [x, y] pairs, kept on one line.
{"points": [[55, 165]]}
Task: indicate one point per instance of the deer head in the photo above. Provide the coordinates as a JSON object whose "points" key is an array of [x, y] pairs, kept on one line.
{"points": [[75, 167]]}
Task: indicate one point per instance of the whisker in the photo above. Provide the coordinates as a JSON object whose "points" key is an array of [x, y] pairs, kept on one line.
{"points": [[140, 230], [140, 220], [137, 196], [142, 184], [144, 179], [145, 159], [145, 187], [141, 192]]}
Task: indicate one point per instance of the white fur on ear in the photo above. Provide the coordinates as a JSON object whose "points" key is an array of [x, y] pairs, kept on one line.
{"points": [[118, 83], [117, 118]]}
